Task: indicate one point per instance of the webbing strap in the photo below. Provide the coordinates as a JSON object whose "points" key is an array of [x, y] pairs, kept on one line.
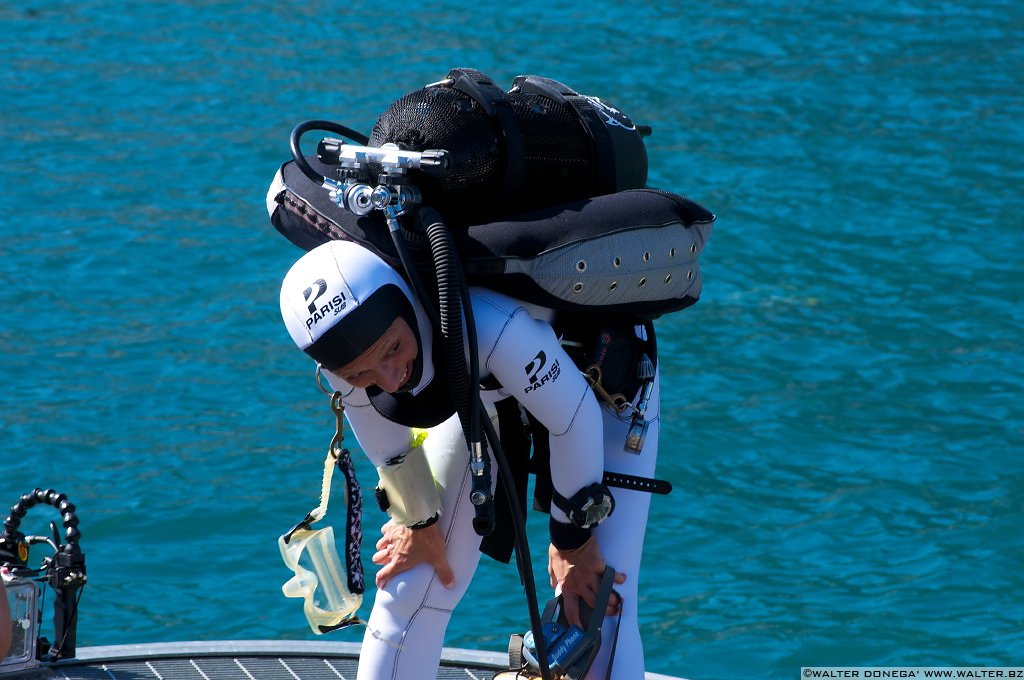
{"points": [[604, 593], [338, 455], [495, 103], [353, 524], [593, 631], [604, 146]]}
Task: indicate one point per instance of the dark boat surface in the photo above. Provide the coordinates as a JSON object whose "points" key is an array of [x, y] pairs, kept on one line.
{"points": [[250, 660]]}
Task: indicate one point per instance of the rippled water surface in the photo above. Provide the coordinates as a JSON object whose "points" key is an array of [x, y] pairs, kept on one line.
{"points": [[842, 410]]}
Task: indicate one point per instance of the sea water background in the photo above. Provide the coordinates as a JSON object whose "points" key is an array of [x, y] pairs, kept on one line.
{"points": [[842, 410]]}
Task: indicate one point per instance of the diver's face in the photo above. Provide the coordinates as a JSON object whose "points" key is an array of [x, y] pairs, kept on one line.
{"points": [[388, 364]]}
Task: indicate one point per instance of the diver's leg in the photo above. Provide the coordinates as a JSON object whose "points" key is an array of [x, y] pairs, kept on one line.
{"points": [[406, 628], [621, 539]]}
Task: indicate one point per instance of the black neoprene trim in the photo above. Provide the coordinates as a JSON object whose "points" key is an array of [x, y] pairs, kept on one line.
{"points": [[567, 536], [427, 522], [358, 330]]}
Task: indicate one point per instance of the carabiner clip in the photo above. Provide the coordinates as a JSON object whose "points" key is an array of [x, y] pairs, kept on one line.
{"points": [[339, 432]]}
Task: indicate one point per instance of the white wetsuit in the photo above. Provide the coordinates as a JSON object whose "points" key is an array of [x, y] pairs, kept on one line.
{"points": [[518, 347]]}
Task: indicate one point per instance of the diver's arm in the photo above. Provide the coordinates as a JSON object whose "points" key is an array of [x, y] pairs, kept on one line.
{"points": [[577, 572], [401, 547], [525, 356]]}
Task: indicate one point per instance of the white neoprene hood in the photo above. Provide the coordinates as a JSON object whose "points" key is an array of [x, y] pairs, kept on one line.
{"points": [[328, 284], [316, 293]]}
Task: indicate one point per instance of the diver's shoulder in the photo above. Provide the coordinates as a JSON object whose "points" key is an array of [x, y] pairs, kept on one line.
{"points": [[487, 303]]}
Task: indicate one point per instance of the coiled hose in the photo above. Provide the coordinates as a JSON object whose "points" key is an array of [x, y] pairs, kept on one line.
{"points": [[464, 380]]}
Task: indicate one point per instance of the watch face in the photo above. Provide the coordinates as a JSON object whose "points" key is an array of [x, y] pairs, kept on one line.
{"points": [[596, 510]]}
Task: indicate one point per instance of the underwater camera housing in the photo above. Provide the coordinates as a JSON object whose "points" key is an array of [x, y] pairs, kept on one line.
{"points": [[63, 571], [23, 604], [570, 650]]}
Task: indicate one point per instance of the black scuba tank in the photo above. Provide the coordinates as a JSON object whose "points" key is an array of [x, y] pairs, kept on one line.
{"points": [[539, 144]]}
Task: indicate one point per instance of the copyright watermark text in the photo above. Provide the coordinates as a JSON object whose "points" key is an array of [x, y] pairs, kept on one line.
{"points": [[910, 672]]}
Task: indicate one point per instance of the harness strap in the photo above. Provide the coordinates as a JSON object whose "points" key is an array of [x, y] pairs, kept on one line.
{"points": [[494, 101]]}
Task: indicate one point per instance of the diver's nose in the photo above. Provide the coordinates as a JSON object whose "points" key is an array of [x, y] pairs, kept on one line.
{"points": [[390, 374]]}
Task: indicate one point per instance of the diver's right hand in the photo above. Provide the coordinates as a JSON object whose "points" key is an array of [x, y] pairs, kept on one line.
{"points": [[576, 574], [401, 548]]}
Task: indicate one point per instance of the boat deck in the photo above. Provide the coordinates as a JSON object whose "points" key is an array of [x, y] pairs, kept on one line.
{"points": [[250, 660]]}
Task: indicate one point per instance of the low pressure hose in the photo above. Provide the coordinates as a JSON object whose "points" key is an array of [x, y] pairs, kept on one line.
{"points": [[465, 390], [452, 287], [302, 128]]}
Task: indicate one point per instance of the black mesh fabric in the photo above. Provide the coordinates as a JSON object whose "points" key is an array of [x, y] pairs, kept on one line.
{"points": [[440, 118], [560, 160], [560, 164]]}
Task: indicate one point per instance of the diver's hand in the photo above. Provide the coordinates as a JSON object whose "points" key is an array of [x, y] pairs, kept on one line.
{"points": [[401, 548], [578, 572]]}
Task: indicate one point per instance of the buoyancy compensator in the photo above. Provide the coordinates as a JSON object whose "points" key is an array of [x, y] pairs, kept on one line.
{"points": [[543, 189]]}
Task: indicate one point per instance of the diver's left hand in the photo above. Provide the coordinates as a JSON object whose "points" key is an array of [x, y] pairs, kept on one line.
{"points": [[401, 548], [578, 572]]}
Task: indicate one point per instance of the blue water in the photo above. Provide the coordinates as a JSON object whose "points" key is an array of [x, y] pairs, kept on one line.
{"points": [[843, 417]]}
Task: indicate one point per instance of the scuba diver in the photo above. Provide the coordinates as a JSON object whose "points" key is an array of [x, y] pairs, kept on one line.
{"points": [[532, 321], [354, 315]]}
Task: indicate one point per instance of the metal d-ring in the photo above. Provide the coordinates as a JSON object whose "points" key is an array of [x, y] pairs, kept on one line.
{"points": [[320, 380]]}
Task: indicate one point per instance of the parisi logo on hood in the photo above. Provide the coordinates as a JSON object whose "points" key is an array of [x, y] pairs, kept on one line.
{"points": [[318, 311]]}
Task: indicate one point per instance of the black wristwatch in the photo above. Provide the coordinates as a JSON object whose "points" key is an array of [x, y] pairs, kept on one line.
{"points": [[588, 507]]}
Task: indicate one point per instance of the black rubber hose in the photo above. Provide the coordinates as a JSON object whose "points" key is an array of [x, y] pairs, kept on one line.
{"points": [[465, 387], [413, 276], [523, 560], [303, 128], [449, 272], [448, 269]]}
